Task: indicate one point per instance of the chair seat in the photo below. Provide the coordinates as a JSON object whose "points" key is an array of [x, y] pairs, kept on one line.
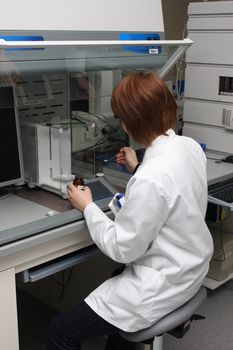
{"points": [[170, 321]]}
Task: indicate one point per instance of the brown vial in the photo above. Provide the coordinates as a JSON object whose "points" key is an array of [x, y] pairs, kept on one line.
{"points": [[78, 182]]}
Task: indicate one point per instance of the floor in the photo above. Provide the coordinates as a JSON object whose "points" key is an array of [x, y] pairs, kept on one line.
{"points": [[214, 333]]}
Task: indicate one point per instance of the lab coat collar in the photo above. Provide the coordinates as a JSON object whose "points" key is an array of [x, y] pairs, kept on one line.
{"points": [[157, 143]]}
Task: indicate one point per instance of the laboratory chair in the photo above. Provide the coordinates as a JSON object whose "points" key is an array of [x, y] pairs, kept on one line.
{"points": [[177, 323]]}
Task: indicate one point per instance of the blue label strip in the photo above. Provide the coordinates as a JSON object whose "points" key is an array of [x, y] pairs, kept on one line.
{"points": [[22, 38], [141, 36]]}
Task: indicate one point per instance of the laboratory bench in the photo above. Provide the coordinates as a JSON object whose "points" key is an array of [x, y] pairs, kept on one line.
{"points": [[40, 238], [218, 172]]}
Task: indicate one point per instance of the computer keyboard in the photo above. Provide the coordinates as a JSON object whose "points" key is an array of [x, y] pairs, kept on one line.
{"points": [[222, 191], [113, 165]]}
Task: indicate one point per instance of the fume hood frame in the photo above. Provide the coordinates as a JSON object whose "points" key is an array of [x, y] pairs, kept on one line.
{"points": [[182, 46]]}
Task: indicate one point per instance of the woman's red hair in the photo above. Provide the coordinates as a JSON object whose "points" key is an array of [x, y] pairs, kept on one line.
{"points": [[143, 102]]}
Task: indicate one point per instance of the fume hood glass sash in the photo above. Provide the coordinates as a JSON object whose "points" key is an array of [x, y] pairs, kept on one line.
{"points": [[99, 49]]}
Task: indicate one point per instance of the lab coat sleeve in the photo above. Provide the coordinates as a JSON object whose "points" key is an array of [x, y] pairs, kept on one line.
{"points": [[136, 225]]}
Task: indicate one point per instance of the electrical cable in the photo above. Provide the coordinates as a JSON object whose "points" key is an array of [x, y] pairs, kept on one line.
{"points": [[222, 245], [64, 283]]}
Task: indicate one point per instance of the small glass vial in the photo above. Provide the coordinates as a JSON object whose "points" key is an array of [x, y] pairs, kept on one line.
{"points": [[78, 182]]}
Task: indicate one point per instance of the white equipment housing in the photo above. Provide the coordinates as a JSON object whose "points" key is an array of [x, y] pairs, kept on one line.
{"points": [[73, 15], [208, 106]]}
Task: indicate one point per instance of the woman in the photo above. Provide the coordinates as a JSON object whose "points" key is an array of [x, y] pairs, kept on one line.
{"points": [[159, 233]]}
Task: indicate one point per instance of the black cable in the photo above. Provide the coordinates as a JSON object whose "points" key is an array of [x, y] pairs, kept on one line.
{"points": [[64, 283], [105, 121], [222, 245]]}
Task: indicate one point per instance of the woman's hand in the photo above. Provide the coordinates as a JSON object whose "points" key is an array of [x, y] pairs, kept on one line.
{"points": [[79, 198], [127, 156]]}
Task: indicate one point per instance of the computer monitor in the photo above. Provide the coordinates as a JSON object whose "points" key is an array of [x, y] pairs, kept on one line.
{"points": [[11, 161]]}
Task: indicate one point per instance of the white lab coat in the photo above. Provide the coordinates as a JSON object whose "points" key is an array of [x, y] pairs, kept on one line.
{"points": [[159, 233]]}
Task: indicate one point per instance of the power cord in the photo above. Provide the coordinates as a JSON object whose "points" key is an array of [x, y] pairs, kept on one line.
{"points": [[64, 283]]}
